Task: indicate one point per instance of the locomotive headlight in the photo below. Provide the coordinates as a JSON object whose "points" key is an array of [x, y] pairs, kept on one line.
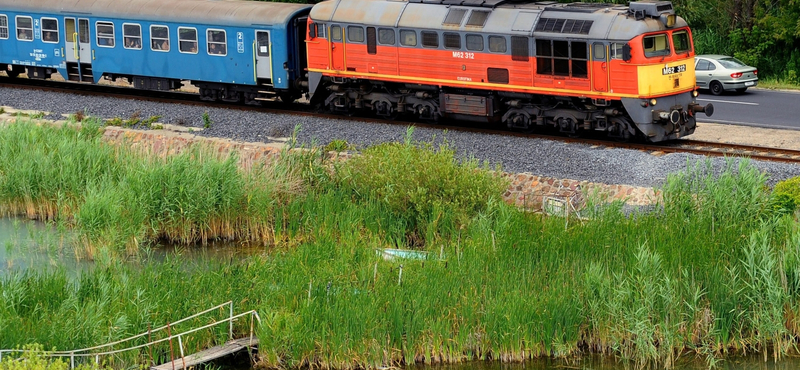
{"points": [[694, 94], [669, 20], [653, 102]]}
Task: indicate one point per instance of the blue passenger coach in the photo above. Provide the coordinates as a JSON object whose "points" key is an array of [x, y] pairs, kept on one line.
{"points": [[231, 50]]}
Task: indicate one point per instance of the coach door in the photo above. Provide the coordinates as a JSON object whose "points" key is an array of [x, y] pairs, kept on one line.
{"points": [[78, 47], [600, 67], [263, 56], [337, 47]]}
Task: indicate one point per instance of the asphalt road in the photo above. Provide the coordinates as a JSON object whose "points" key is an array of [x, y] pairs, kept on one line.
{"points": [[755, 107]]}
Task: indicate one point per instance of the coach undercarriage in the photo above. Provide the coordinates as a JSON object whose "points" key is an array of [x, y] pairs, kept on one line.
{"points": [[517, 111]]}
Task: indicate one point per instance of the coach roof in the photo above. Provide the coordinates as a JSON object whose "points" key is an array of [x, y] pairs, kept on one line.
{"points": [[228, 13]]}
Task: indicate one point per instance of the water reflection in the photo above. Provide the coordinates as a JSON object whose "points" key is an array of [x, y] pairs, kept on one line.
{"points": [[27, 245]]}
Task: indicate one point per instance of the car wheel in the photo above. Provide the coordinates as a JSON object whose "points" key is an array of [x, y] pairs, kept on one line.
{"points": [[741, 90], [716, 88]]}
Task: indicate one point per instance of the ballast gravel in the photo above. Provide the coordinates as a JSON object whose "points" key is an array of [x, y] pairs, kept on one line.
{"points": [[537, 156]]}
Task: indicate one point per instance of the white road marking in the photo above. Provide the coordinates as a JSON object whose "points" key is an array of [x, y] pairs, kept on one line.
{"points": [[728, 101]]}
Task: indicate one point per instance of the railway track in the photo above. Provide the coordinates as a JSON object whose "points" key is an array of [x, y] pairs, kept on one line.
{"points": [[705, 148]]}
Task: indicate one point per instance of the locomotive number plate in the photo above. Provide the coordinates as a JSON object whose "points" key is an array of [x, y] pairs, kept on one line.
{"points": [[673, 70], [463, 55]]}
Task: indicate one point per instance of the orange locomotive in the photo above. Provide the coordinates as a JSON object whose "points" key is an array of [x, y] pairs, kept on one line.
{"points": [[626, 71]]}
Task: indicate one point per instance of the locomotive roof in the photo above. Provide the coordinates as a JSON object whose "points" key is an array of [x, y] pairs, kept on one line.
{"points": [[231, 13], [545, 18]]}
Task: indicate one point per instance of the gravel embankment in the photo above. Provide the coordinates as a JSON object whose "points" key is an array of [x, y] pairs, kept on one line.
{"points": [[540, 157]]}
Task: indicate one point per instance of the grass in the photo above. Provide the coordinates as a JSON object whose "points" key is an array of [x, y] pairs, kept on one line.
{"points": [[713, 271]]}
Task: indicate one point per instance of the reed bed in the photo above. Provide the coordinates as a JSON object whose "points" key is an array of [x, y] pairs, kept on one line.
{"points": [[712, 271]]}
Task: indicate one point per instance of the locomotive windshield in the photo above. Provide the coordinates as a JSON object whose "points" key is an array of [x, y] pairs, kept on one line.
{"points": [[680, 41], [656, 45]]}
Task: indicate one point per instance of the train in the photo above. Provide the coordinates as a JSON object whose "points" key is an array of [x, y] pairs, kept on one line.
{"points": [[620, 71]]}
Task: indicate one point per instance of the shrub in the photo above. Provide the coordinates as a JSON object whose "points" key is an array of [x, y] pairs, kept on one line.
{"points": [[786, 195], [426, 186]]}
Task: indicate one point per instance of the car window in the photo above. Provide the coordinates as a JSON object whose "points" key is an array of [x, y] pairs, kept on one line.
{"points": [[731, 63], [702, 65]]}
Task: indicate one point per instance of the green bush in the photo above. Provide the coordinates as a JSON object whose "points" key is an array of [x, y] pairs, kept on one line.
{"points": [[786, 195], [426, 186]]}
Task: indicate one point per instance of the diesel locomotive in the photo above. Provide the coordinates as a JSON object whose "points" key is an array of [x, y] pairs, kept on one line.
{"points": [[625, 71]]}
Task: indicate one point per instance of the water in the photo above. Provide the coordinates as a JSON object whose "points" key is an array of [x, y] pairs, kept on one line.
{"points": [[31, 245]]}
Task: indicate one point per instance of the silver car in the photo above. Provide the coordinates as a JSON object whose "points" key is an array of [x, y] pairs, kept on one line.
{"points": [[719, 73]]}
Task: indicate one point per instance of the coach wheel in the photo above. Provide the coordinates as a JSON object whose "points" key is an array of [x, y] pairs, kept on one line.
{"points": [[208, 94], [716, 88], [250, 98], [13, 73], [287, 97]]}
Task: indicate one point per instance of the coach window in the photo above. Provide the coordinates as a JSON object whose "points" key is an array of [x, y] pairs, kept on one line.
{"points": [[187, 40], [50, 30], [132, 36], [355, 33], [497, 44], [105, 34], [475, 42], [408, 37], [680, 41], [217, 43], [452, 41], [159, 38], [386, 36], [24, 28], [430, 39], [3, 26], [262, 41], [656, 45], [336, 33]]}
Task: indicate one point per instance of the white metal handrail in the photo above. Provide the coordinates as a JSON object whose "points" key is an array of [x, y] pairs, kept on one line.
{"points": [[79, 352]]}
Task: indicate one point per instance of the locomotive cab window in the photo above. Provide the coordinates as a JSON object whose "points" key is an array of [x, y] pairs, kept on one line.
{"points": [[105, 34], [656, 45], [50, 30], [386, 36], [24, 28], [336, 33], [132, 36], [680, 41], [408, 37], [216, 42], [187, 40], [616, 50], [3, 26], [159, 38], [355, 34], [497, 44], [475, 42]]}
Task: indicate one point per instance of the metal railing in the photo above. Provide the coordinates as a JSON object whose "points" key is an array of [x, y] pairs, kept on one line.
{"points": [[92, 351]]}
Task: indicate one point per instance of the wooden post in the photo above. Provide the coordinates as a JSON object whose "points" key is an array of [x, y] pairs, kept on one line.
{"points": [[171, 356], [183, 358]]}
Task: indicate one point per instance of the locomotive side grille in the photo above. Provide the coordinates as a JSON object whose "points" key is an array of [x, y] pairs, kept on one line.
{"points": [[497, 75], [664, 8], [555, 25], [454, 17], [477, 18]]}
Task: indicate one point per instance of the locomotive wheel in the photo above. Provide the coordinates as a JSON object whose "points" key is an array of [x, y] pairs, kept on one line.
{"points": [[716, 88], [620, 129], [384, 109]]}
